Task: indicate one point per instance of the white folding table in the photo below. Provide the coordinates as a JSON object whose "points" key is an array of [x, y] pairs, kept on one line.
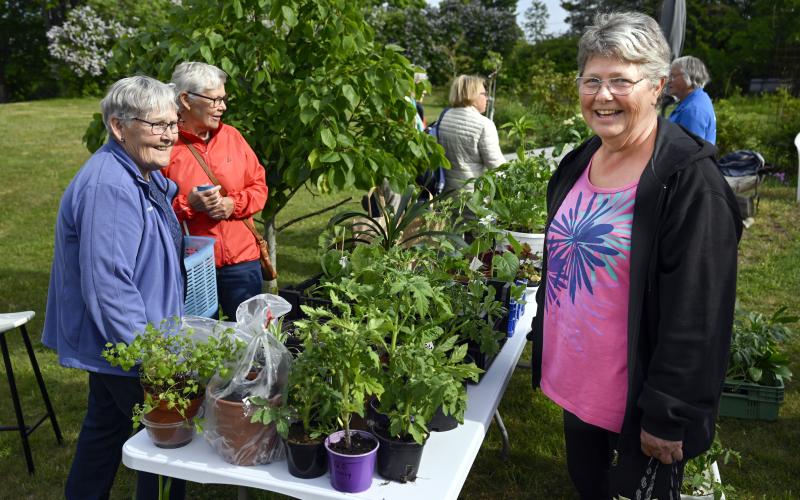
{"points": [[446, 461]]}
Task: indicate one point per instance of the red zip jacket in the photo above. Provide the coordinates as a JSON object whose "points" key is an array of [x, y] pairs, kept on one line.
{"points": [[236, 167]]}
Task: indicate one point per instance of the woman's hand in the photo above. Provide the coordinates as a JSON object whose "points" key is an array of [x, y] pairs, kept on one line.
{"points": [[665, 451], [204, 201], [223, 210]]}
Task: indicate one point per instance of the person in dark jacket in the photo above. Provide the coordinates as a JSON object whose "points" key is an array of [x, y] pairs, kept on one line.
{"points": [[636, 306]]}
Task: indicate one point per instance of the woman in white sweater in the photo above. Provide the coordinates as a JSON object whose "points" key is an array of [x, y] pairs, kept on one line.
{"points": [[469, 139]]}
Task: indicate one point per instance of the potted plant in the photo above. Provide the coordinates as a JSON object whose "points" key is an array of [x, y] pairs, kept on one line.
{"points": [[515, 194], [417, 380], [758, 365], [342, 342], [308, 415], [255, 384], [386, 226], [701, 479], [174, 367]]}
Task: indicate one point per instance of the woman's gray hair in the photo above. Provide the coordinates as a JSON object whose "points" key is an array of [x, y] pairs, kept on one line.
{"points": [[136, 97], [629, 36], [464, 90], [694, 71], [197, 77]]}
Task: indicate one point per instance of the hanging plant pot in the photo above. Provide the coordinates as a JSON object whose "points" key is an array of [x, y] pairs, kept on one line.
{"points": [[398, 460], [351, 470], [305, 457], [167, 428]]}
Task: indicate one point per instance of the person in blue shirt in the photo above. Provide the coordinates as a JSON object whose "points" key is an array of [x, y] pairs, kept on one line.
{"points": [[687, 77], [116, 267]]}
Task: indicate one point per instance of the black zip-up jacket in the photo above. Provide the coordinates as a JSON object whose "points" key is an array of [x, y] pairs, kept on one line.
{"points": [[686, 229]]}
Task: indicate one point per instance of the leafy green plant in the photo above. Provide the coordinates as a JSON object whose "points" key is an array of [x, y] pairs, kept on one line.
{"points": [[417, 380], [757, 347], [173, 365], [697, 478], [389, 227], [341, 346], [514, 194], [519, 130]]}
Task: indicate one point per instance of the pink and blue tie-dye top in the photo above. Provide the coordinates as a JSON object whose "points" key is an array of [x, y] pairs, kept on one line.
{"points": [[584, 357]]}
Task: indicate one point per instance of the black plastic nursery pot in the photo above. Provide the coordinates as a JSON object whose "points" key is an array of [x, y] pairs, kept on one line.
{"points": [[306, 460], [441, 422], [482, 360], [398, 460]]}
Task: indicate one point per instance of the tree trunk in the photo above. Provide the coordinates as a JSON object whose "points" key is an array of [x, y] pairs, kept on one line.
{"points": [[269, 235]]}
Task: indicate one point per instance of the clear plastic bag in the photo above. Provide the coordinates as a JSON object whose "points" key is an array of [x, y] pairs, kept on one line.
{"points": [[262, 371]]}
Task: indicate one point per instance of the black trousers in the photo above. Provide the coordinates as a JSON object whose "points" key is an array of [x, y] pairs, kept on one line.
{"points": [[601, 470], [105, 429]]}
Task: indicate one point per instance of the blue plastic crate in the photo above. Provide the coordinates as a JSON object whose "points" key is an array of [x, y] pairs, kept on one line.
{"points": [[201, 276]]}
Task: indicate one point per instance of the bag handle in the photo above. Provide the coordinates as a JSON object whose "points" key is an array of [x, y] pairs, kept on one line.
{"points": [[247, 222]]}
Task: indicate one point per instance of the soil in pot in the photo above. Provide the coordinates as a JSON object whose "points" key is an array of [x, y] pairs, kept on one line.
{"points": [[398, 459], [306, 457], [351, 468]]}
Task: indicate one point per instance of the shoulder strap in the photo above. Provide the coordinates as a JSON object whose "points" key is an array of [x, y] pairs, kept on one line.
{"points": [[213, 178], [205, 166], [439, 124]]}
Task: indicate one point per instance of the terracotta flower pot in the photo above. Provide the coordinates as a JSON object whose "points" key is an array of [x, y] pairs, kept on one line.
{"points": [[167, 428], [238, 440]]}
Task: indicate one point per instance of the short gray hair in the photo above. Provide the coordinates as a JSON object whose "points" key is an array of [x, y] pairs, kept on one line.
{"points": [[136, 97], [631, 37], [694, 71], [193, 76]]}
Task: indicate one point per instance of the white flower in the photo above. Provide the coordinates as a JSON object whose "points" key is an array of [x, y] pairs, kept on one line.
{"points": [[84, 41]]}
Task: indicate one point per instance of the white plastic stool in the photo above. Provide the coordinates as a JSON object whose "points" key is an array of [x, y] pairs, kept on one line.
{"points": [[8, 322]]}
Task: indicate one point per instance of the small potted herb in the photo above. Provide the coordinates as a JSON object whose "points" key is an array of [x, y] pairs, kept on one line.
{"points": [[174, 367]]}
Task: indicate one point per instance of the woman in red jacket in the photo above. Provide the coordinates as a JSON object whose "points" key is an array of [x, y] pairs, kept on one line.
{"points": [[218, 212]]}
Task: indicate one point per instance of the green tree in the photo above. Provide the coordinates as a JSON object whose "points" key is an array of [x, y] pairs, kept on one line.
{"points": [[320, 103], [535, 25]]}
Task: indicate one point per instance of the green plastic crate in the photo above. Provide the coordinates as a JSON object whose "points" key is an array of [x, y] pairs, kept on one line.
{"points": [[750, 401]]}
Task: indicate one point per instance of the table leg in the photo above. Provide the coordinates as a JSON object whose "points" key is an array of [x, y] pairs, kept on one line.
{"points": [[504, 432], [242, 493]]}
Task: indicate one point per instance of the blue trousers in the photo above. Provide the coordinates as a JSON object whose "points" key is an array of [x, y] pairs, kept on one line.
{"points": [[237, 283], [105, 429]]}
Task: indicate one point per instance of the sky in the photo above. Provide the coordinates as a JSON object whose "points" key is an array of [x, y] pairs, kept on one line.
{"points": [[555, 23]]}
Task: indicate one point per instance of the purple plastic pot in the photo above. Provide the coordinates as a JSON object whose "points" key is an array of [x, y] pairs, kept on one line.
{"points": [[351, 473]]}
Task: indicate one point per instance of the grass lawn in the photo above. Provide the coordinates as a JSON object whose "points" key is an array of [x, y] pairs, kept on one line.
{"points": [[41, 153]]}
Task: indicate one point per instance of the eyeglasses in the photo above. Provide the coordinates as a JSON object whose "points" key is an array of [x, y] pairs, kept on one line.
{"points": [[215, 101], [160, 127], [588, 85]]}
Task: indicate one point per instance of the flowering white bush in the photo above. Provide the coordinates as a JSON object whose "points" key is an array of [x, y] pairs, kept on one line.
{"points": [[84, 41]]}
